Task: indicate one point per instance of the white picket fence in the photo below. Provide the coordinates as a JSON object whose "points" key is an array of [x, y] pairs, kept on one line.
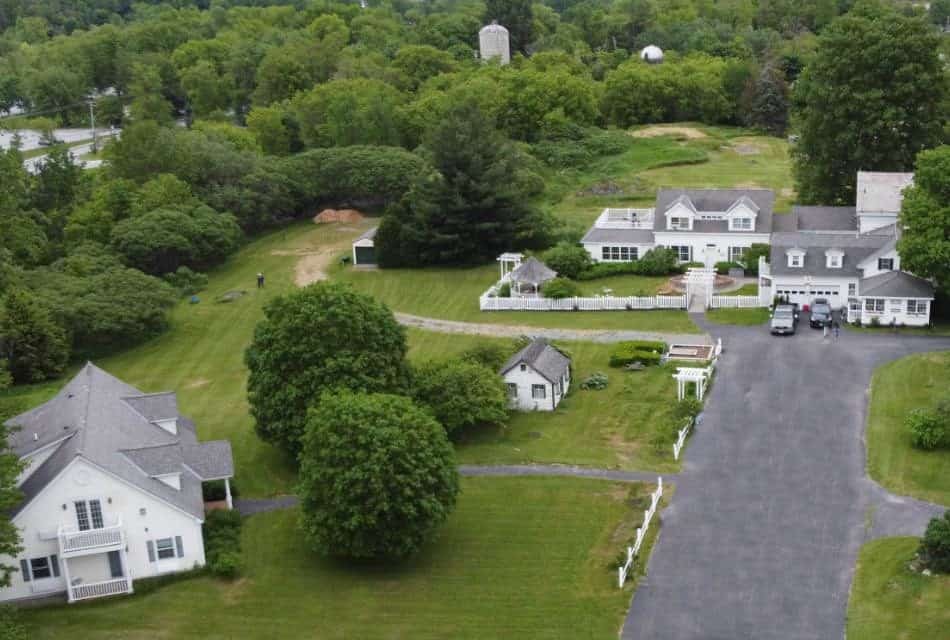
{"points": [[681, 440], [597, 303], [648, 514], [735, 302]]}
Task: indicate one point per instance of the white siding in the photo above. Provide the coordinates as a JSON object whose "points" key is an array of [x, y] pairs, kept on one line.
{"points": [[802, 293], [596, 253], [870, 266], [83, 481], [525, 380], [895, 311], [702, 252], [34, 460]]}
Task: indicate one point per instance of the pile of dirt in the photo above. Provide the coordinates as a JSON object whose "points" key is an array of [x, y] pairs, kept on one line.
{"points": [[338, 215]]}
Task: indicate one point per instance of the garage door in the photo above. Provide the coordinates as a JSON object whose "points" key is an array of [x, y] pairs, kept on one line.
{"points": [[802, 295], [365, 255], [829, 291]]}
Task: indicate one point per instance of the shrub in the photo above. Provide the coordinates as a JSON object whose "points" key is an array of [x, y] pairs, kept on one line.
{"points": [[567, 259], [186, 281], [504, 291], [656, 262], [460, 393], [693, 265], [596, 381], [750, 259], [559, 288], [927, 429], [488, 354], [687, 409], [935, 545], [722, 268], [645, 351], [222, 537], [227, 565]]}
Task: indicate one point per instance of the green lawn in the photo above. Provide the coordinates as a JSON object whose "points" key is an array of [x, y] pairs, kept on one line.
{"points": [[625, 285], [452, 294], [613, 427], [746, 317], [888, 601], [201, 355], [897, 387], [519, 558], [744, 290]]}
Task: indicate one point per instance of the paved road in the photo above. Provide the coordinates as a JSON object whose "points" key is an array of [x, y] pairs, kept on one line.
{"points": [[773, 503], [511, 331]]}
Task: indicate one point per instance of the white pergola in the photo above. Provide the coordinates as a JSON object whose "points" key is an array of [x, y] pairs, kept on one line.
{"points": [[508, 262], [698, 376], [700, 281]]}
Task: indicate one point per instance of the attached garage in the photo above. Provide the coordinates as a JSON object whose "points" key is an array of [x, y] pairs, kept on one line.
{"points": [[364, 249]]}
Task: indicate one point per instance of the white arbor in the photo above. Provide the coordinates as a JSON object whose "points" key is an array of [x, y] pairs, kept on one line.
{"points": [[699, 282]]}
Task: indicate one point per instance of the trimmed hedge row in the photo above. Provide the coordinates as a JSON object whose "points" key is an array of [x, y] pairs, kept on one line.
{"points": [[646, 351], [222, 534]]}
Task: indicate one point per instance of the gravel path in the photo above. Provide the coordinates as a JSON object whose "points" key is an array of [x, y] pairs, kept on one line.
{"points": [[513, 331]]}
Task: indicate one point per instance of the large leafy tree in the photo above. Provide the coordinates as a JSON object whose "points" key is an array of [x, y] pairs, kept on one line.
{"points": [[10, 496], [460, 393], [31, 342], [322, 337], [925, 215], [517, 17], [348, 112], [377, 476], [935, 545], [476, 204], [872, 98]]}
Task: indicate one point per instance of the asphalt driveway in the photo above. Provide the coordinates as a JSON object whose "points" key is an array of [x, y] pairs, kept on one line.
{"points": [[773, 504]]}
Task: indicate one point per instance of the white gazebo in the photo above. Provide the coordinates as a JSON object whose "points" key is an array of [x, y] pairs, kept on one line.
{"points": [[526, 279]]}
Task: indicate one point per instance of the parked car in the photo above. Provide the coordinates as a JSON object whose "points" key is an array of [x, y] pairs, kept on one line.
{"points": [[821, 314], [784, 320]]}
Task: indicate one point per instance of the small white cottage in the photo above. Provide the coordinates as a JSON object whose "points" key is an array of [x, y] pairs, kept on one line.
{"points": [[537, 377]]}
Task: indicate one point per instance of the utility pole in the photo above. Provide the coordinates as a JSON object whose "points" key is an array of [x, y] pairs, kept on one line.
{"points": [[92, 120]]}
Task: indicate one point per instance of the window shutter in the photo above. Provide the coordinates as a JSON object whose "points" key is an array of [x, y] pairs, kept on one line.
{"points": [[179, 547], [25, 570], [151, 550], [54, 564]]}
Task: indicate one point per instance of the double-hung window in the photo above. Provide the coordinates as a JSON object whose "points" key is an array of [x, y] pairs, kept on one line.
{"points": [[885, 264], [539, 391], [512, 390], [88, 514], [679, 223], [682, 253], [165, 548], [917, 307], [742, 224], [39, 568], [852, 288], [736, 253], [618, 254], [874, 305]]}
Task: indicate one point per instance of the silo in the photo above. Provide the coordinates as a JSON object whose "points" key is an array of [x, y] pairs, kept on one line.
{"points": [[652, 54], [493, 42]]}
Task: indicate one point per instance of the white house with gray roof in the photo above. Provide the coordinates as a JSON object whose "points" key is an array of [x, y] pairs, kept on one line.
{"points": [[537, 377], [701, 225], [112, 489]]}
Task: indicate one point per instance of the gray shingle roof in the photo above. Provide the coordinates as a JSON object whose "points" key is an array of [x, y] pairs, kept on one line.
{"points": [[896, 284], [543, 358], [622, 236], [881, 191], [719, 200], [367, 235], [94, 413], [533, 271], [807, 218], [856, 248]]}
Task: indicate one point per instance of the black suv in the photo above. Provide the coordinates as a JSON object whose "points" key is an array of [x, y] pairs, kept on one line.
{"points": [[821, 314]]}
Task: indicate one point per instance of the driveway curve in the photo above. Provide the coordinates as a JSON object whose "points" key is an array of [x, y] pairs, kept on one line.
{"points": [[773, 503], [514, 331]]}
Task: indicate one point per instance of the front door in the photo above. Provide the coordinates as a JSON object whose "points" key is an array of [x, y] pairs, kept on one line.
{"points": [[710, 256]]}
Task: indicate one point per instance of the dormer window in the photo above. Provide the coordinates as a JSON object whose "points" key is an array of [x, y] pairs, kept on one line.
{"points": [[796, 258], [682, 224], [833, 259], [742, 224], [885, 264]]}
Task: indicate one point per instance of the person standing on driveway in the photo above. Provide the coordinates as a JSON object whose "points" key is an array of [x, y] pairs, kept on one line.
{"points": [[836, 328], [824, 330]]}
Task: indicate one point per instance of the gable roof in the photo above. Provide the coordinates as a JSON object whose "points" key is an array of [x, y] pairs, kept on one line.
{"points": [[369, 234], [896, 284], [543, 358], [532, 271], [112, 425], [816, 219], [622, 236], [881, 191], [856, 248], [761, 201]]}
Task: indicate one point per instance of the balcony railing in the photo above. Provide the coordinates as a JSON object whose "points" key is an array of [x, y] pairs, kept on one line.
{"points": [[99, 589], [74, 541], [625, 219]]}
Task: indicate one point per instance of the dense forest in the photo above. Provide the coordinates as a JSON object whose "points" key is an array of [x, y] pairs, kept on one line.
{"points": [[238, 115]]}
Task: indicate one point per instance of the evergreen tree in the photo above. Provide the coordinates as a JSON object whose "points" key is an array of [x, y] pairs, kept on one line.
{"points": [[872, 98], [34, 346], [475, 205], [517, 17], [765, 101]]}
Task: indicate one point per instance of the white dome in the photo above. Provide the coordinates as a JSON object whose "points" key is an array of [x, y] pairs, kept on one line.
{"points": [[493, 43], [651, 53], [494, 27]]}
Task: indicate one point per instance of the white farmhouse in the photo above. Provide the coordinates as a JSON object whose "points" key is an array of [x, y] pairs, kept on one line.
{"points": [[111, 489], [849, 256], [537, 377], [701, 225]]}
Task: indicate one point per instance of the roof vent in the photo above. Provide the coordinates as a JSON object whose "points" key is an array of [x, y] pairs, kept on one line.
{"points": [[36, 437]]}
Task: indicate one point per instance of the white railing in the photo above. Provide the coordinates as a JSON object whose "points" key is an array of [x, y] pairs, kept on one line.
{"points": [[625, 219], [99, 589], [681, 440], [72, 540], [736, 302], [633, 551], [598, 303]]}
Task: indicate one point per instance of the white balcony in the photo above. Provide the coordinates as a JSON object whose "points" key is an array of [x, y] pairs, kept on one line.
{"points": [[625, 219], [114, 587], [76, 542]]}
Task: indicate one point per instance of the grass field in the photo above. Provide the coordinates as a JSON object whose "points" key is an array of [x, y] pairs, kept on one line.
{"points": [[452, 294], [897, 387], [744, 290], [519, 558], [888, 601], [745, 317]]}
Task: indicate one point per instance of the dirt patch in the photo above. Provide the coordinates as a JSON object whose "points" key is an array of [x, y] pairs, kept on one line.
{"points": [[338, 215], [197, 383], [690, 133], [312, 267]]}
